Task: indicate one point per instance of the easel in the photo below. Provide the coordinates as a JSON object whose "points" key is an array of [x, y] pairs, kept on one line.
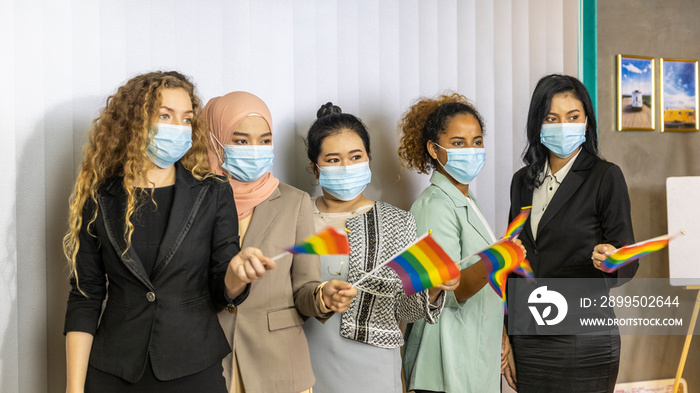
{"points": [[688, 337]]}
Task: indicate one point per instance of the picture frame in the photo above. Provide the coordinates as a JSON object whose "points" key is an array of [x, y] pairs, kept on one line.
{"points": [[635, 93], [679, 94]]}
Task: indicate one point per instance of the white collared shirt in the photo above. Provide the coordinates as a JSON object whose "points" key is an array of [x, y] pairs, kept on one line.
{"points": [[543, 194]]}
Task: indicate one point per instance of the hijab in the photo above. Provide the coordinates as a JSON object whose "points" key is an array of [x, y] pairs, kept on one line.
{"points": [[223, 116]]}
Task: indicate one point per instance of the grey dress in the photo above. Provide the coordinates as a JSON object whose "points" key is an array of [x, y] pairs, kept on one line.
{"points": [[359, 350]]}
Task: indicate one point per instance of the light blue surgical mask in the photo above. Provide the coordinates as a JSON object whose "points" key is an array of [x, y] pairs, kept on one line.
{"points": [[563, 139], [345, 182], [169, 144], [246, 162], [463, 164]]}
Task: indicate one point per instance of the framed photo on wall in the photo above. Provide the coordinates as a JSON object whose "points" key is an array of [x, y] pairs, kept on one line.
{"points": [[679, 94], [635, 93]]}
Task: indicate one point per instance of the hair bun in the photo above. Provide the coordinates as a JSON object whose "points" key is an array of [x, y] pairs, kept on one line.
{"points": [[328, 109]]}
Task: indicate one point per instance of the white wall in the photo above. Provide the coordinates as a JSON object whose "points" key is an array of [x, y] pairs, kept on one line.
{"points": [[60, 59]]}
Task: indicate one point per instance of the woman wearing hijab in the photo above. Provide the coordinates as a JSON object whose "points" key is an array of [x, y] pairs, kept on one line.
{"points": [[270, 353]]}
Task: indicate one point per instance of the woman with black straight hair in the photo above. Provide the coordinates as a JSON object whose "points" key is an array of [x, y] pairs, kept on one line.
{"points": [[580, 215]]}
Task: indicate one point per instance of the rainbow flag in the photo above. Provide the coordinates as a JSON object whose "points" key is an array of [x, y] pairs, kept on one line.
{"points": [[627, 254], [502, 258], [327, 241], [516, 226], [423, 265]]}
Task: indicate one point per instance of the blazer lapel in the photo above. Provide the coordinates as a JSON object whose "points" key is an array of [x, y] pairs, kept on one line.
{"points": [[263, 215], [111, 202], [189, 194], [526, 200], [476, 223], [567, 189]]}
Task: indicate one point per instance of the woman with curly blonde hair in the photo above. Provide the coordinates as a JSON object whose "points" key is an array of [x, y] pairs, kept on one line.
{"points": [[462, 351], [148, 217]]}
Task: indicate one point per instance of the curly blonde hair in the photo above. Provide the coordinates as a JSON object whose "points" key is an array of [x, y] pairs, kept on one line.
{"points": [[116, 147], [425, 121]]}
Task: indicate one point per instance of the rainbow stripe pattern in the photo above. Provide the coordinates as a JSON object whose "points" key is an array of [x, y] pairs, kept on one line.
{"points": [[502, 258], [327, 241], [516, 226], [627, 254], [423, 265]]}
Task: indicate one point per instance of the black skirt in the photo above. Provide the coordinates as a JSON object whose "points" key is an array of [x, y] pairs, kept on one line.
{"points": [[208, 380], [582, 363]]}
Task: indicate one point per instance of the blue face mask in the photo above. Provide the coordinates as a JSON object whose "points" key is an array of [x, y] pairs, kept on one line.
{"points": [[345, 182], [247, 163], [563, 139], [464, 164], [169, 144]]}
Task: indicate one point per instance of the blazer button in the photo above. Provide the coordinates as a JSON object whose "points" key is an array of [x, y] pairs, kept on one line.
{"points": [[151, 297], [534, 251]]}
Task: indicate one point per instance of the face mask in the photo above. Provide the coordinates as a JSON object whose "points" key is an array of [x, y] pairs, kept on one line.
{"points": [[464, 164], [345, 182], [563, 139], [246, 163], [169, 144]]}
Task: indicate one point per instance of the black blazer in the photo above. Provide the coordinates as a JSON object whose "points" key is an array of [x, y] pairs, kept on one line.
{"points": [[590, 207], [169, 315]]}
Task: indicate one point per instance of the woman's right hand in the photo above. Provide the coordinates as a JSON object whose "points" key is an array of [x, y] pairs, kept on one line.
{"points": [[247, 266], [337, 295], [520, 244]]}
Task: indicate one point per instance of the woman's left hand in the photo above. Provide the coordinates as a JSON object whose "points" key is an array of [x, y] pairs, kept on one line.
{"points": [[508, 362], [601, 252], [450, 285]]}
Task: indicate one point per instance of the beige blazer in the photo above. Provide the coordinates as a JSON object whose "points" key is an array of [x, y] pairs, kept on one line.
{"points": [[265, 333]]}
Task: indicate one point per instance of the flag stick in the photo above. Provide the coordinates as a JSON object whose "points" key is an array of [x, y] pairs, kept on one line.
{"points": [[280, 256], [369, 273]]}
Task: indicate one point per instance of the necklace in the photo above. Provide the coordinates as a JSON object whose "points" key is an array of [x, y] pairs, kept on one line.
{"points": [[326, 216]]}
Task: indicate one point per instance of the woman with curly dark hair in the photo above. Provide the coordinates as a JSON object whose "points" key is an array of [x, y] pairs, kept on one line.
{"points": [[148, 217], [462, 351]]}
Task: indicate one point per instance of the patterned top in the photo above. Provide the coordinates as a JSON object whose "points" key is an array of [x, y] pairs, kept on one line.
{"points": [[374, 314]]}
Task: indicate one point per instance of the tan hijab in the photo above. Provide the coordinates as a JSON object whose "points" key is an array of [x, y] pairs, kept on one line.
{"points": [[223, 115]]}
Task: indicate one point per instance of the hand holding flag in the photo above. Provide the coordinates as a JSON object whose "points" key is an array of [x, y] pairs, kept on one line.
{"points": [[624, 255]]}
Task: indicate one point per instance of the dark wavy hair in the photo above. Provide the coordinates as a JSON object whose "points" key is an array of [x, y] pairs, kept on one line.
{"points": [[426, 120], [535, 154], [331, 120]]}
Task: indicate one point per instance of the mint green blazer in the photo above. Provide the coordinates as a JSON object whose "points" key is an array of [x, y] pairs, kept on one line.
{"points": [[462, 351]]}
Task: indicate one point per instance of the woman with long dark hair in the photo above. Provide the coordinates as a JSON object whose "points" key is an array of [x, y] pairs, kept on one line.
{"points": [[580, 215]]}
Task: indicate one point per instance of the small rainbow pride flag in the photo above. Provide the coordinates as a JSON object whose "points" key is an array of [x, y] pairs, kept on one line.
{"points": [[423, 265], [627, 254], [327, 241], [502, 258], [516, 226]]}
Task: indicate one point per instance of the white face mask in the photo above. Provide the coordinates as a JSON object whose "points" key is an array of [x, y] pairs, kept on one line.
{"points": [[345, 182], [563, 139], [169, 144], [463, 164]]}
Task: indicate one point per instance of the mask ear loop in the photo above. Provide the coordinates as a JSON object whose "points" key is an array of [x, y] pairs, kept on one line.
{"points": [[213, 138], [437, 159]]}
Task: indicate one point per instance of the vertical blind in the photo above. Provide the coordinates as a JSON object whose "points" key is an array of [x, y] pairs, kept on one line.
{"points": [[60, 59]]}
